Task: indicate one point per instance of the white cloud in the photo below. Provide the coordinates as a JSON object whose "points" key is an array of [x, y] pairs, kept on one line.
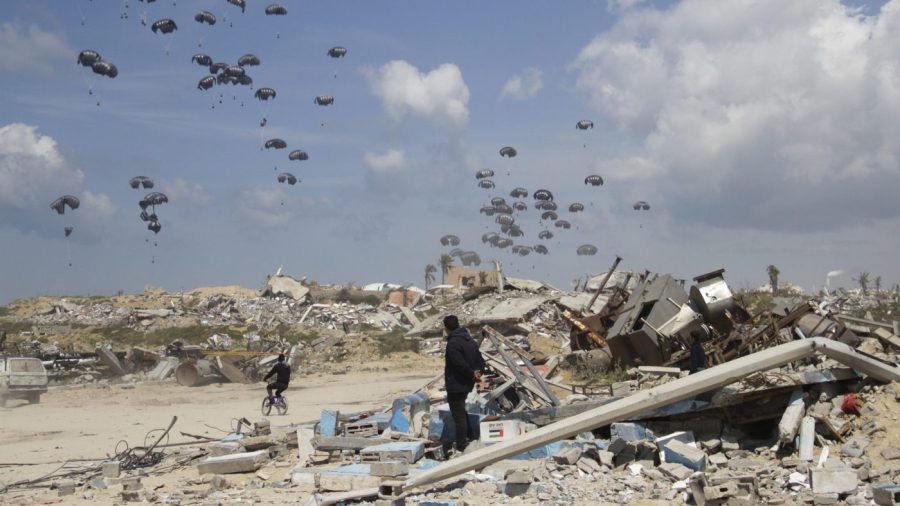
{"points": [[182, 190], [98, 206], [31, 168], [621, 5], [523, 86], [755, 114], [393, 160], [440, 96], [264, 207], [30, 49]]}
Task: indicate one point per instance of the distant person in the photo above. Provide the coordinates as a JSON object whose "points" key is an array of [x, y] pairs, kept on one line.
{"points": [[698, 356], [282, 373], [463, 365]]}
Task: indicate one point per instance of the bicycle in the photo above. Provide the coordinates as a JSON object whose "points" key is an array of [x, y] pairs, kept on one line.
{"points": [[280, 405]]}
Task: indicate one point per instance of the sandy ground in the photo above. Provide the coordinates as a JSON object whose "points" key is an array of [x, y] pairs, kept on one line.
{"points": [[86, 421]]}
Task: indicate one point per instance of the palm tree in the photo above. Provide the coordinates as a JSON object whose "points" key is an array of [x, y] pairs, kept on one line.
{"points": [[773, 273], [877, 285], [445, 262], [429, 275], [863, 280]]}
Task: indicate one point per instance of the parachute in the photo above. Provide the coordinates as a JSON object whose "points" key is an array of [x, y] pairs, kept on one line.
{"points": [[337, 52], [508, 151], [275, 143], [518, 193], [641, 205], [87, 57], [298, 154], [450, 240], [276, 10], [248, 60], [586, 250], [545, 235], [239, 3], [68, 231], [487, 184], [264, 93], [487, 210], [512, 230], [470, 258], [490, 237], [105, 68], [164, 26], [204, 60], [503, 209], [549, 215], [594, 180], [545, 205], [484, 173], [215, 68], [59, 205], [520, 206], [234, 71], [456, 252], [576, 207], [543, 195], [504, 243], [584, 124], [141, 181], [540, 249], [153, 199], [243, 80], [521, 250], [206, 83], [496, 201], [205, 17], [505, 219], [287, 177], [563, 224], [324, 100]]}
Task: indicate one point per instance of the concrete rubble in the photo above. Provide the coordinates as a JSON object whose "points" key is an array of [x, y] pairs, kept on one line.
{"points": [[807, 430]]}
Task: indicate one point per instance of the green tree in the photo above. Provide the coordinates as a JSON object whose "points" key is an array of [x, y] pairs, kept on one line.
{"points": [[773, 273], [445, 262], [863, 280], [429, 275]]}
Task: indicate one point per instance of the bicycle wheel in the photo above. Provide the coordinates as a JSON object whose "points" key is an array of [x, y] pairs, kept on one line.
{"points": [[282, 406], [266, 407]]}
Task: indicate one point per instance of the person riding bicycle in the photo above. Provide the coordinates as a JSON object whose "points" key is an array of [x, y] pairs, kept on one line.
{"points": [[282, 373]]}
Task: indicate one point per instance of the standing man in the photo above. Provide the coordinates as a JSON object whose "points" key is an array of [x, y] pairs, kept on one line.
{"points": [[282, 373], [463, 365], [698, 356]]}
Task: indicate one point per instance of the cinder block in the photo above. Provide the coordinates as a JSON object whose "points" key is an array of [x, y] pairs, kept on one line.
{"points": [[675, 471], [110, 468], [390, 468], [689, 456], [219, 448], [65, 487], [235, 463], [886, 494], [721, 491], [131, 483]]}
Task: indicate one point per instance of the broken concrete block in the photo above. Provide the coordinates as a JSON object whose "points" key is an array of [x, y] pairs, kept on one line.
{"points": [[675, 471], [682, 453], [262, 428], [164, 368], [629, 431], [718, 459], [567, 456], [587, 465], [606, 458], [886, 494], [65, 487], [219, 448], [840, 481], [892, 453], [855, 447], [110, 468], [234, 463], [790, 420], [825, 499], [723, 490], [410, 451], [519, 476], [131, 483], [684, 437], [218, 482], [807, 438], [390, 468], [697, 482]]}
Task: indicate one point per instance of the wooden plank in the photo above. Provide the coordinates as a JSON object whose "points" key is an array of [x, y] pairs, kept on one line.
{"points": [[657, 397]]}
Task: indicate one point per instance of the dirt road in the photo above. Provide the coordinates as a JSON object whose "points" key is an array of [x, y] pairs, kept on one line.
{"points": [[86, 422]]}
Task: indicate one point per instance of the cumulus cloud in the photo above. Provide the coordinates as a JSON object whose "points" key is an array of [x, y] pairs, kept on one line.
{"points": [[523, 86], [99, 206], [182, 190], [30, 49], [391, 161], [761, 114], [440, 96], [31, 168]]}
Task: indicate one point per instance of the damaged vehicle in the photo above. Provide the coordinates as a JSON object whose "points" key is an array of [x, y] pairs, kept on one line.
{"points": [[22, 378]]}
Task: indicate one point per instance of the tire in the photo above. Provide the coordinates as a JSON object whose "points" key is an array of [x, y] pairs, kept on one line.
{"points": [[283, 407], [266, 407]]}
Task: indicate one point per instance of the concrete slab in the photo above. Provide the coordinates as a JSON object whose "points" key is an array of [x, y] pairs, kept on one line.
{"points": [[682, 453], [235, 463], [840, 481]]}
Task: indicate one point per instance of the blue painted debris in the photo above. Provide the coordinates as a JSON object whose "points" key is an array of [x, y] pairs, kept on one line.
{"points": [[382, 419], [328, 422], [630, 431], [441, 427], [412, 451], [405, 409]]}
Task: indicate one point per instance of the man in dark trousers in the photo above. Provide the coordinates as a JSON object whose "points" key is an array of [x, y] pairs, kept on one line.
{"points": [[463, 365], [698, 356], [282, 373]]}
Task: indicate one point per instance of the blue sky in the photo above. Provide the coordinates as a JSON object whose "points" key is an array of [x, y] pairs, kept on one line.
{"points": [[760, 133]]}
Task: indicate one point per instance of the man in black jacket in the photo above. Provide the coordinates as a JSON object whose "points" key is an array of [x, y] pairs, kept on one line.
{"points": [[463, 365], [282, 373]]}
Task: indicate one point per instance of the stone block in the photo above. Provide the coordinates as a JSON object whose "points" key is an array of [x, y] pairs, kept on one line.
{"points": [[219, 448], [390, 468], [587, 465], [886, 494], [825, 499], [262, 428], [234, 463], [718, 459], [689, 456], [65, 487], [519, 476], [629, 431], [839, 481], [347, 482], [675, 471], [567, 456], [855, 447], [218, 482], [722, 490], [606, 458], [110, 468], [131, 483], [892, 453], [683, 436]]}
